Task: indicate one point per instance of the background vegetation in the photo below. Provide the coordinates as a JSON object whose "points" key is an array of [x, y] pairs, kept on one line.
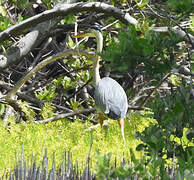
{"points": [[150, 55]]}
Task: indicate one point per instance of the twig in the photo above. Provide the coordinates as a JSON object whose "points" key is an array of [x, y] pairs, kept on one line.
{"points": [[109, 25]]}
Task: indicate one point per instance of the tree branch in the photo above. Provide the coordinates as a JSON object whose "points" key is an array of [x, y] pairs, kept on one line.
{"points": [[63, 10], [32, 39], [42, 64], [26, 44], [61, 116]]}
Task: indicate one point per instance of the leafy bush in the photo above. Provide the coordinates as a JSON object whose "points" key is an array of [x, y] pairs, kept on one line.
{"points": [[172, 137], [151, 54], [181, 6]]}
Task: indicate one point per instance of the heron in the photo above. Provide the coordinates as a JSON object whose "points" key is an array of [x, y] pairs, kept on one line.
{"points": [[110, 97]]}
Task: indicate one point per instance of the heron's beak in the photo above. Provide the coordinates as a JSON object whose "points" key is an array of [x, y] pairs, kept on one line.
{"points": [[80, 35]]}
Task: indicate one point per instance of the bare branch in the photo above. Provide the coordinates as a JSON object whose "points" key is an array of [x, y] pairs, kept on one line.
{"points": [[42, 64], [33, 38], [61, 116], [26, 44], [63, 10], [137, 108], [21, 95]]}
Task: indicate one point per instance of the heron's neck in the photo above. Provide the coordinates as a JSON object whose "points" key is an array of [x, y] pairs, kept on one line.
{"points": [[96, 75]]}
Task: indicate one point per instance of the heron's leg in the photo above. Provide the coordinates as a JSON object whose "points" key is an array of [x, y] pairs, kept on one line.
{"points": [[101, 119], [121, 124]]}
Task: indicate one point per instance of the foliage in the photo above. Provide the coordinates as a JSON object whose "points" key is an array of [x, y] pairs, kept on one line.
{"points": [[47, 110], [182, 6], [131, 50], [164, 134], [144, 168], [47, 94], [64, 135], [172, 136], [29, 113]]}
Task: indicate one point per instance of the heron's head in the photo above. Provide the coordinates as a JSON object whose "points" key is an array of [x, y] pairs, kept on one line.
{"points": [[93, 31]]}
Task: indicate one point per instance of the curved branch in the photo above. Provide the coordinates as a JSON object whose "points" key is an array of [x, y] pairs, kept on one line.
{"points": [[42, 64], [61, 116], [26, 44], [63, 10]]}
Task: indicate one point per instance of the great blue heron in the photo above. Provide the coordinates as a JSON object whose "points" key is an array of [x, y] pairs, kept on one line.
{"points": [[110, 98]]}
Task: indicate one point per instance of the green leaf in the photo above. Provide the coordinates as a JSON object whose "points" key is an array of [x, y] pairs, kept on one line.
{"points": [[175, 80], [20, 18], [178, 107], [4, 23], [74, 104], [181, 6], [3, 11], [70, 43], [142, 3], [69, 19], [47, 110]]}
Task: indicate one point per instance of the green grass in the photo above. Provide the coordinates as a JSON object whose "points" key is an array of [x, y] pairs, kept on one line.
{"points": [[63, 135]]}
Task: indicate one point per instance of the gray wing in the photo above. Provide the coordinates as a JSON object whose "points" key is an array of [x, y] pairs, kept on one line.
{"points": [[111, 98]]}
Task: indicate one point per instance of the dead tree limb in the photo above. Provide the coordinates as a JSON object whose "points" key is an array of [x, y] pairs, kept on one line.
{"points": [[70, 114], [47, 20], [176, 30], [63, 10], [26, 44], [42, 64], [61, 116]]}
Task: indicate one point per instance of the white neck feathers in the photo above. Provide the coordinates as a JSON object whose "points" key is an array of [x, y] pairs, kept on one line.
{"points": [[96, 75]]}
